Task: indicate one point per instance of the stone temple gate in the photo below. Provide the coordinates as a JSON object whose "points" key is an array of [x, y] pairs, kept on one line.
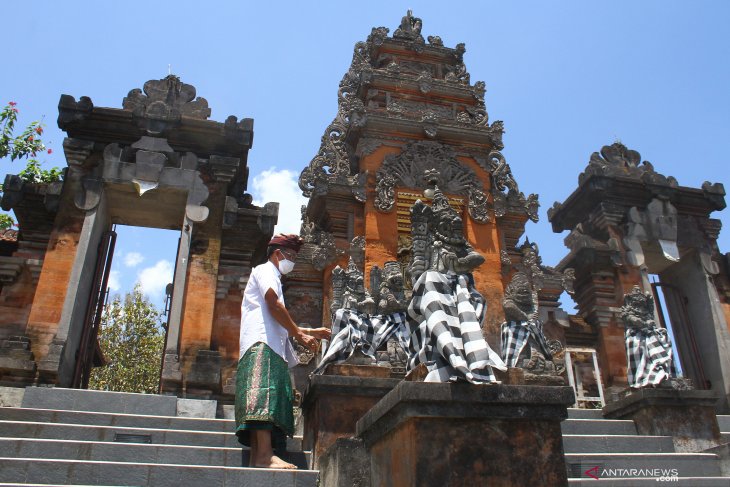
{"points": [[406, 106], [156, 162]]}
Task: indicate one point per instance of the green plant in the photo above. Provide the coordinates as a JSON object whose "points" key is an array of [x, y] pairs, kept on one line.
{"points": [[26, 145], [131, 338], [33, 173]]}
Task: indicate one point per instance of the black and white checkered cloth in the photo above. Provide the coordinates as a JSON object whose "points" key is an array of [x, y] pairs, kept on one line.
{"points": [[445, 317], [351, 328], [649, 355], [516, 334]]}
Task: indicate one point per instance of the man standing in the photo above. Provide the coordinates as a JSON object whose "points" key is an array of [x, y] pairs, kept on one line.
{"points": [[264, 412]]}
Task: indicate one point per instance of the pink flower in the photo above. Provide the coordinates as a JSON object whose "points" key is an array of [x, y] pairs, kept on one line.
{"points": [[15, 110], [39, 130], [50, 151], [12, 103]]}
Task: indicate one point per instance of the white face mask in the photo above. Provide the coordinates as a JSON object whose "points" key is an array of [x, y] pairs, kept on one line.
{"points": [[285, 266]]}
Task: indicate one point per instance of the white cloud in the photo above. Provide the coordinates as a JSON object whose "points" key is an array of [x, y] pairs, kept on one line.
{"points": [[133, 259], [113, 282], [154, 279], [280, 186]]}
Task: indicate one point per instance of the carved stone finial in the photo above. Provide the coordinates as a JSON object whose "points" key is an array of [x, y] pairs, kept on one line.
{"points": [[166, 99], [618, 160], [410, 28]]}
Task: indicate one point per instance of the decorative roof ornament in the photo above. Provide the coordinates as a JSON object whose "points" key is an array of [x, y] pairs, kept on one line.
{"points": [[410, 28], [617, 160]]}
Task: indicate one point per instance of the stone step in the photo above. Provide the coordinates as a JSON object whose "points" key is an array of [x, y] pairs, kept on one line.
{"points": [[617, 444], [64, 472], [723, 421], [135, 452], [618, 464], [80, 432], [99, 401], [578, 413], [637, 482], [598, 427], [116, 419]]}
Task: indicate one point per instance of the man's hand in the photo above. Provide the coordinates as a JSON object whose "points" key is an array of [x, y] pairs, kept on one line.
{"points": [[307, 341], [320, 333]]}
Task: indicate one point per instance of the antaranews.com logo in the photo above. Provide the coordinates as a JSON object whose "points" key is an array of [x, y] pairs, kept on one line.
{"points": [[600, 472]]}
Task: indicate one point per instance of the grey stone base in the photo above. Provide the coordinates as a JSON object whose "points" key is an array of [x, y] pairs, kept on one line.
{"points": [[436, 435], [688, 416]]}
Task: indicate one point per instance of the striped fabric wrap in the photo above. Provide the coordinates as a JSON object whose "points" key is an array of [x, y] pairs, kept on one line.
{"points": [[649, 355], [445, 317], [351, 329], [516, 335]]}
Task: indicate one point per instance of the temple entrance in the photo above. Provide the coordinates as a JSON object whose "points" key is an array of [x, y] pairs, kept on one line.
{"points": [[674, 316], [131, 287]]}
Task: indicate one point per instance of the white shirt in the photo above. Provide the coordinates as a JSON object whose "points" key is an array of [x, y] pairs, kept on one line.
{"points": [[257, 322]]}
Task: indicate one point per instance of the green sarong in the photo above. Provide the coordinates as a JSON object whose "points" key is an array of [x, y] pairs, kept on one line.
{"points": [[264, 396]]}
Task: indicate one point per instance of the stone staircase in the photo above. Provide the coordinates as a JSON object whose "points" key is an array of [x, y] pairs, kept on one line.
{"points": [[615, 448], [112, 445], [93, 438]]}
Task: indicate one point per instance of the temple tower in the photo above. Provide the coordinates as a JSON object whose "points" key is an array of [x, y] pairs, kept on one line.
{"points": [[156, 162], [406, 106]]}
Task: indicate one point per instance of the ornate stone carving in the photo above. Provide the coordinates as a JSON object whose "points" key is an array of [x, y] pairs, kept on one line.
{"points": [[348, 290], [408, 168], [410, 28], [503, 181], [657, 223], [388, 288], [435, 41], [325, 252], [357, 250], [648, 348], [333, 158], [166, 99], [425, 82], [438, 239], [617, 160], [523, 342]]}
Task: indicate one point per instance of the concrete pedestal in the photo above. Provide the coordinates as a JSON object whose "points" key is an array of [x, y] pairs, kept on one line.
{"points": [[438, 435], [687, 416], [332, 405]]}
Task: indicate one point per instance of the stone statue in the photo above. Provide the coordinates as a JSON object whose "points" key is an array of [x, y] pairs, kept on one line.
{"points": [[410, 28], [349, 290], [523, 341], [438, 236], [388, 288], [648, 349], [446, 312]]}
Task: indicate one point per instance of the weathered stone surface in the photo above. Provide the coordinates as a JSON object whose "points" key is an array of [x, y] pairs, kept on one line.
{"points": [[688, 416], [332, 405], [349, 370], [345, 463], [196, 408], [11, 397], [430, 434]]}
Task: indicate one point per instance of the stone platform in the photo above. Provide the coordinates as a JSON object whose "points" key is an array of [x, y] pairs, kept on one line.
{"points": [[435, 434], [333, 404], [688, 416]]}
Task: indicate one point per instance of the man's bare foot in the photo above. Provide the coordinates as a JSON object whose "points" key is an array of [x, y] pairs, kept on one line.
{"points": [[275, 462]]}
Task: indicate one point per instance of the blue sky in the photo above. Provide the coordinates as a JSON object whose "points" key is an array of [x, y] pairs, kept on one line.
{"points": [[566, 77]]}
